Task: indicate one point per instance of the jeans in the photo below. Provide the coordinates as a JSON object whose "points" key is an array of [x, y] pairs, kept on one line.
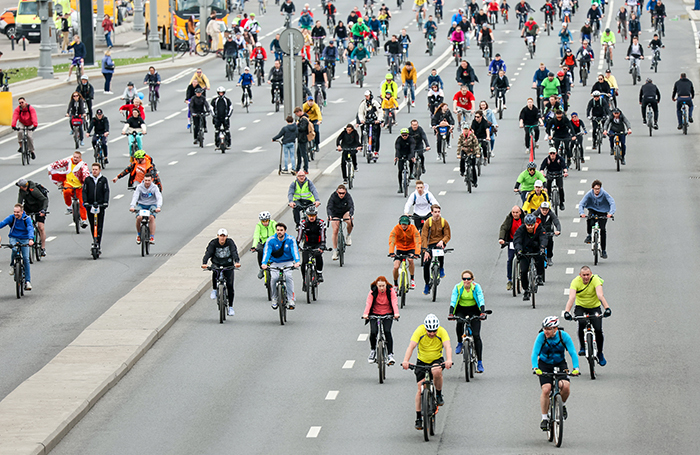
{"points": [[411, 85], [25, 256], [288, 279], [108, 38], [679, 103], [288, 155], [525, 266], [108, 81], [302, 155], [509, 264], [228, 275]]}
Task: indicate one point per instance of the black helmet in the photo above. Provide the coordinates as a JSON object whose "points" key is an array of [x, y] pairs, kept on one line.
{"points": [[311, 211], [199, 90], [531, 165]]}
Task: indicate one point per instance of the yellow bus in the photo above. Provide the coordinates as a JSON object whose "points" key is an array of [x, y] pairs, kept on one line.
{"points": [[183, 10]]}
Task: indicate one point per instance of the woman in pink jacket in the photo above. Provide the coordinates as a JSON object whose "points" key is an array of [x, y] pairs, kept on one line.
{"points": [[381, 301]]}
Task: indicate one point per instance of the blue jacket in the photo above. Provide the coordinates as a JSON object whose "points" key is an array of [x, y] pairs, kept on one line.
{"points": [[496, 65], [551, 351], [459, 289], [306, 21], [107, 61], [540, 76], [246, 79], [457, 18], [289, 254], [19, 229], [79, 49], [601, 203], [437, 79]]}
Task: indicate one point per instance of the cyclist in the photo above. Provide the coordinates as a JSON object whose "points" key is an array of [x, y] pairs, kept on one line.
{"points": [[417, 133], [585, 55], [492, 10], [313, 111], [222, 109], [465, 303], [656, 44], [548, 353], [359, 30], [319, 77], [530, 31], [479, 19], [597, 109], [274, 47], [368, 113], [549, 10], [430, 28], [435, 235], [579, 129], [419, 8], [340, 205], [31, 196], [77, 112], [526, 180], [468, 148], [649, 95], [135, 124], [485, 38], [281, 250], [530, 238], [551, 86], [586, 290], [350, 141], [463, 101], [275, 78], [435, 98], [231, 51], [602, 86], [389, 106], [421, 200], [496, 65], [550, 222], [97, 194], [635, 52], [306, 20], [330, 55], [79, 53], [25, 114], [565, 39], [330, 10], [559, 130], [302, 189], [457, 37], [405, 41], [312, 233], [500, 84], [522, 9], [535, 198], [22, 232], [153, 78], [621, 17], [634, 27], [87, 91], [135, 104], [618, 125], [199, 107], [540, 75], [142, 165], [505, 238], [466, 26], [404, 151], [599, 203], [530, 117], [683, 92], [381, 301], [409, 77], [608, 39], [404, 240], [147, 196], [392, 48], [259, 56], [319, 33], [441, 119], [360, 54], [264, 230], [594, 14], [341, 33], [431, 339], [481, 128], [70, 174], [245, 81], [466, 76], [100, 123]]}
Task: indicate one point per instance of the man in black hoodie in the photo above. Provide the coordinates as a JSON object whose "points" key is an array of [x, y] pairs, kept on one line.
{"points": [[223, 253], [96, 195], [222, 108]]}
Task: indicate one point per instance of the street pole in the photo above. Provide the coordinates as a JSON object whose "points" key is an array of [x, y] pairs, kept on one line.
{"points": [[45, 69], [139, 22], [99, 31], [203, 14], [172, 31], [153, 38], [87, 34]]}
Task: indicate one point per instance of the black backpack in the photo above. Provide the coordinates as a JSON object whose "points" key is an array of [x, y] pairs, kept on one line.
{"points": [[43, 189]]}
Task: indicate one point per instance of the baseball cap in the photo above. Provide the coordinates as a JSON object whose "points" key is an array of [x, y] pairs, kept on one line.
{"points": [[310, 98], [538, 183], [22, 182], [99, 111], [544, 205], [222, 231]]}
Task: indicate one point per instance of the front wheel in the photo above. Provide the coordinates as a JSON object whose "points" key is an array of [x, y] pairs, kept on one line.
{"points": [[202, 49], [145, 239], [558, 421], [268, 288], [381, 361], [403, 298], [595, 248], [425, 412], [590, 353], [19, 278], [307, 281], [221, 293]]}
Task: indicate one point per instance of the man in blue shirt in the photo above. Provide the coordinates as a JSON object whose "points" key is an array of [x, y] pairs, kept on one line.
{"points": [[22, 231], [281, 250], [540, 75], [599, 203], [79, 53]]}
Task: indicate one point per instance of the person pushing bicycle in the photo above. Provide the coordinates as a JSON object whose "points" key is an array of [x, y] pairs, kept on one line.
{"points": [[223, 253], [468, 300]]}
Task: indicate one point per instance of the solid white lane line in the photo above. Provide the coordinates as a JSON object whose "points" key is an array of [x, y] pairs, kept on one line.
{"points": [[456, 169], [348, 364], [332, 394], [16, 155], [48, 239], [313, 432], [569, 270], [118, 196], [571, 251], [172, 163], [185, 109], [156, 122], [173, 115], [363, 337], [573, 234]]}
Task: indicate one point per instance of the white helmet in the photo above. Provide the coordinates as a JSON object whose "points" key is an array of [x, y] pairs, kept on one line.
{"points": [[264, 216], [550, 321], [221, 89], [431, 323], [595, 93], [223, 231]]}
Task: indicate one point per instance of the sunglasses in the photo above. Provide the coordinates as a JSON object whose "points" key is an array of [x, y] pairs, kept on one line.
{"points": [[404, 135], [467, 278], [431, 331], [341, 194]]}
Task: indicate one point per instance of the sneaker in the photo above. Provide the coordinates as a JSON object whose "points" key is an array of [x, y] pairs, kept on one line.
{"points": [[479, 367], [390, 359], [152, 240], [604, 254], [106, 160], [28, 287], [413, 284], [623, 162], [400, 191], [261, 274], [138, 240], [83, 224], [419, 424], [656, 126], [413, 104], [440, 400], [348, 240], [561, 206], [690, 120], [544, 425], [33, 156], [565, 414], [11, 271], [526, 296], [442, 272], [69, 211], [290, 305], [581, 352], [213, 294], [426, 290], [588, 239], [612, 152], [372, 356], [458, 348], [43, 252], [550, 261], [601, 357], [540, 281], [438, 158], [81, 143], [509, 285], [320, 277], [231, 312], [680, 127], [335, 256], [449, 146], [644, 121], [274, 305]]}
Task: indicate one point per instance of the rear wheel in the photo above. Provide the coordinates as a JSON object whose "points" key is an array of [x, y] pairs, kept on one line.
{"points": [[145, 239], [515, 274], [341, 248], [403, 297], [533, 282], [591, 354], [555, 200]]}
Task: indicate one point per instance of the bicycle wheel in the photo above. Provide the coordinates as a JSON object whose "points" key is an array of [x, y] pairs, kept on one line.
{"points": [[558, 422], [222, 300], [472, 357], [76, 215], [425, 412], [595, 248], [307, 282], [349, 172], [590, 353], [202, 49], [341, 246], [314, 288], [405, 182], [266, 277], [402, 290], [435, 275], [550, 431], [468, 178], [381, 361], [145, 239], [478, 166], [281, 304], [25, 155], [76, 137], [19, 277], [515, 276], [37, 247], [617, 158], [555, 200]]}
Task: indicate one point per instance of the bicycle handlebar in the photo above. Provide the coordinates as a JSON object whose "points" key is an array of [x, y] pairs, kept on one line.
{"points": [[586, 317], [599, 217], [374, 317], [400, 257], [412, 366], [282, 269]]}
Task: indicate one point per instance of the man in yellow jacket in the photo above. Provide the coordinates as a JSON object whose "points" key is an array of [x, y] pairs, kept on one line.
{"points": [[535, 197], [409, 77], [313, 110]]}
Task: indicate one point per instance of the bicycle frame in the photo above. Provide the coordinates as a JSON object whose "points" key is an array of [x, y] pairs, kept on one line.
{"points": [[222, 289], [381, 349], [404, 276], [555, 413], [428, 399], [281, 292], [19, 273], [590, 344]]}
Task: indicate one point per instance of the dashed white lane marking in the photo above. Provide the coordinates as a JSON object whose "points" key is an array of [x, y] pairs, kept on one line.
{"points": [[209, 144], [566, 292], [577, 220], [363, 337], [48, 239], [569, 270], [590, 139], [584, 169], [571, 251], [117, 139], [586, 157], [191, 153], [270, 113], [118, 196], [584, 181], [524, 58], [451, 181], [580, 193], [241, 128], [172, 116], [172, 163], [313, 432], [589, 148], [156, 122], [442, 193], [516, 74], [573, 234], [332, 394], [71, 225], [348, 364], [576, 205], [256, 121], [512, 79], [456, 169]]}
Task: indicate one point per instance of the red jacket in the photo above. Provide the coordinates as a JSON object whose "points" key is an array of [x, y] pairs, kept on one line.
{"points": [[26, 117], [130, 107], [259, 52]]}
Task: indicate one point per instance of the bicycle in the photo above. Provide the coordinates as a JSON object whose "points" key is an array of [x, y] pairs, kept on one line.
{"points": [[554, 192], [381, 349], [341, 241], [74, 208], [500, 101], [469, 171], [650, 118], [201, 120], [262, 7], [577, 150], [468, 346], [277, 95], [145, 230], [394, 65], [360, 73], [221, 289], [430, 43], [635, 71], [311, 274], [532, 275], [230, 68], [684, 116], [622, 29], [24, 146], [349, 167], [243, 60], [589, 344], [288, 20], [18, 267], [595, 236], [5, 81], [504, 15], [202, 49], [330, 21], [598, 123], [152, 96], [330, 71], [428, 399], [493, 19], [94, 211], [583, 71], [555, 430], [435, 269], [282, 292], [399, 3], [405, 176], [76, 125], [134, 146], [404, 283], [656, 57], [608, 55], [98, 151], [659, 25], [35, 252], [617, 150], [438, 14], [389, 118], [318, 95], [531, 46], [457, 52], [259, 73], [486, 53], [443, 134]]}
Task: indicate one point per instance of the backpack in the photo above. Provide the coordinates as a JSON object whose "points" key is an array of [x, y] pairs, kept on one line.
{"points": [[311, 133], [561, 341], [42, 189]]}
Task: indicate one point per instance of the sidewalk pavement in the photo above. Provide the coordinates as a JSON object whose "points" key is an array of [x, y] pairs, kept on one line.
{"points": [[42, 410]]}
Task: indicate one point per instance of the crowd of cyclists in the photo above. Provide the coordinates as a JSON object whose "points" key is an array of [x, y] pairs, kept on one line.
{"points": [[528, 230]]}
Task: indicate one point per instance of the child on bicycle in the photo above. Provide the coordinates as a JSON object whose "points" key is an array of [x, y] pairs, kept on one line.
{"points": [[135, 124], [389, 106], [245, 81]]}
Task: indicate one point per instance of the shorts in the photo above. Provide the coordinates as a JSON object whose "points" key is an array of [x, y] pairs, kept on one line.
{"points": [[420, 374], [40, 218], [549, 368], [417, 7], [76, 61], [404, 252], [147, 207]]}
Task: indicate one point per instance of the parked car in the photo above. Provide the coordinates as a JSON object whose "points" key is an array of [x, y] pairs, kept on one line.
{"points": [[7, 22]]}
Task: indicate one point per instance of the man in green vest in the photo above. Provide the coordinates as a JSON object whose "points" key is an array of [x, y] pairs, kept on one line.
{"points": [[302, 193]]}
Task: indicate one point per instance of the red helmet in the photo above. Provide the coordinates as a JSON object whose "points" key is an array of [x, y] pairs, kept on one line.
{"points": [[560, 73]]}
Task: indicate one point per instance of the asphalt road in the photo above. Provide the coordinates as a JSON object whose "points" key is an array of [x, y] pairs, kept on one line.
{"points": [[257, 387]]}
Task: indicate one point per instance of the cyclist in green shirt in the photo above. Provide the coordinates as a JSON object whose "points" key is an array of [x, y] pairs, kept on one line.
{"points": [[431, 339], [263, 231], [550, 87], [526, 180], [586, 290], [608, 38], [468, 300]]}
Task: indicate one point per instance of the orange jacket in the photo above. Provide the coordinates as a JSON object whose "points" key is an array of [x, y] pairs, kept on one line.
{"points": [[404, 240]]}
